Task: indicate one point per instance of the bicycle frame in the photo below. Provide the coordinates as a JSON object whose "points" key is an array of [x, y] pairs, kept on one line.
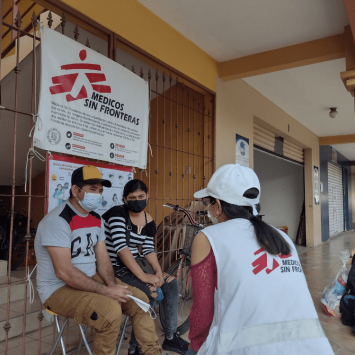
{"points": [[186, 212], [191, 220], [180, 266]]}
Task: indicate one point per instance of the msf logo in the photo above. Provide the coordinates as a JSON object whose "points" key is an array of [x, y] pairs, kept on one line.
{"points": [[266, 262], [76, 83]]}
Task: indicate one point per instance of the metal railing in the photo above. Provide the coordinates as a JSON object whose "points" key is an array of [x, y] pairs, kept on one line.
{"points": [[181, 136]]}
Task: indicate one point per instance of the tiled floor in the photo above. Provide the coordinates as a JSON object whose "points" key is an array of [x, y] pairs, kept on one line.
{"points": [[320, 264]]}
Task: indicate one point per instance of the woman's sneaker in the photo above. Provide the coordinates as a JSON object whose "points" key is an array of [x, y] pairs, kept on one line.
{"points": [[176, 344]]}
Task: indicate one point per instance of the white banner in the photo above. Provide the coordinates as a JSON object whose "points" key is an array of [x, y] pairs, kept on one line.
{"points": [[90, 106], [242, 150], [60, 169]]}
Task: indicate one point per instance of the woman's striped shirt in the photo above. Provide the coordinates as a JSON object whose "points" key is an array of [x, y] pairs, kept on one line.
{"points": [[115, 229]]}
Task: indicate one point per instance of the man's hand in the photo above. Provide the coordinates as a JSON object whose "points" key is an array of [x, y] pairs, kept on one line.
{"points": [[73, 277], [118, 293], [160, 276], [153, 261], [150, 279]]}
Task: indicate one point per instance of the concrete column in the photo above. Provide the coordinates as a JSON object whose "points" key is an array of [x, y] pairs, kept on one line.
{"points": [[313, 215]]}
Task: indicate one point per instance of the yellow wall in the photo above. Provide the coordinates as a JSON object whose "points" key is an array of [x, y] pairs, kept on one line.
{"points": [[137, 24], [238, 105]]}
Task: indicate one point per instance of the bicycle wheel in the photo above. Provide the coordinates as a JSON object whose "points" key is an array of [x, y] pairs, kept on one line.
{"points": [[18, 248], [185, 296]]}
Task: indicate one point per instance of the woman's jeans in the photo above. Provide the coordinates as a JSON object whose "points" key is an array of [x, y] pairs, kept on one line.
{"points": [[191, 352], [169, 303]]}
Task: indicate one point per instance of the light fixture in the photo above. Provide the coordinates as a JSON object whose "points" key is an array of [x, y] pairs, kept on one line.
{"points": [[333, 112]]}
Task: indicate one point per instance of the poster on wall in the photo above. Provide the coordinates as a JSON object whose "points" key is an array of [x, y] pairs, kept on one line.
{"points": [[60, 169], [90, 106], [242, 150], [316, 185]]}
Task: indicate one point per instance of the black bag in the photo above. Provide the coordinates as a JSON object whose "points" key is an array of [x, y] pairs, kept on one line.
{"points": [[347, 302], [142, 262], [347, 309]]}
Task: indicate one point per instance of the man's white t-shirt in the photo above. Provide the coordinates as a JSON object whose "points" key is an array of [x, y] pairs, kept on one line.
{"points": [[66, 227]]}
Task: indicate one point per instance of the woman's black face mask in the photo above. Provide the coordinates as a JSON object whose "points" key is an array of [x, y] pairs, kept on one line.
{"points": [[136, 206]]}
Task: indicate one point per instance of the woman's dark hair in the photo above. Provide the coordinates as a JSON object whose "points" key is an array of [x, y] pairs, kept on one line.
{"points": [[267, 237], [132, 186]]}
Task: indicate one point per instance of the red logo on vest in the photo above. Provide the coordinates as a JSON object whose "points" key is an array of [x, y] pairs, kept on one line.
{"points": [[261, 262], [65, 83]]}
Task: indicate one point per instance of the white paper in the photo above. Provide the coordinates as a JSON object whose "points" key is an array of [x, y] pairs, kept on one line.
{"points": [[60, 182]]}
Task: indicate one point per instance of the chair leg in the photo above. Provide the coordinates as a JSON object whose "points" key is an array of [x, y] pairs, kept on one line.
{"points": [[84, 339], [59, 337], [122, 335], [81, 341]]}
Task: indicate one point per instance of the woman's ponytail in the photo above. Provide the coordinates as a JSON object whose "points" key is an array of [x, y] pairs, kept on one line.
{"points": [[268, 238]]}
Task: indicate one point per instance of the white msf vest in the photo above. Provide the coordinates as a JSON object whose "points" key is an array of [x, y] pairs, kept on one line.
{"points": [[262, 305]]}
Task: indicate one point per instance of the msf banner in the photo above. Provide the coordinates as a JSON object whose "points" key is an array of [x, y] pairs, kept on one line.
{"points": [[89, 105]]}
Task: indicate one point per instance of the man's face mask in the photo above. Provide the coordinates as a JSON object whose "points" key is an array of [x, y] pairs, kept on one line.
{"points": [[90, 201], [136, 206]]}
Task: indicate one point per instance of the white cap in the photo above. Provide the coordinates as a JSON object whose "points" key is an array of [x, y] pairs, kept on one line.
{"points": [[229, 184]]}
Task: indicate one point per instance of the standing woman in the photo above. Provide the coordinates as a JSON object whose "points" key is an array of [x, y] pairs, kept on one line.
{"points": [[59, 194], [250, 296], [123, 257]]}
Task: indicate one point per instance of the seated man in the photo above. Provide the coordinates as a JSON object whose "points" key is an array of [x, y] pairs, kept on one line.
{"points": [[75, 276]]}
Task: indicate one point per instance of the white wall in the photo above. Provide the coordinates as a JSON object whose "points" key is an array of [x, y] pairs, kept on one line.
{"points": [[282, 191], [238, 107]]}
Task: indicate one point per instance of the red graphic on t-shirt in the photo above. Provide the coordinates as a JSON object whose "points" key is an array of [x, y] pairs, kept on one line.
{"points": [[261, 262], [89, 221], [65, 83]]}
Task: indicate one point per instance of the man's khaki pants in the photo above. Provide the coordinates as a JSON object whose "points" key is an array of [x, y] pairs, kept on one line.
{"points": [[105, 315]]}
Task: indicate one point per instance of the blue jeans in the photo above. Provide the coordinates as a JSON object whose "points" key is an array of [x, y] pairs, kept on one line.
{"points": [[169, 302], [191, 352]]}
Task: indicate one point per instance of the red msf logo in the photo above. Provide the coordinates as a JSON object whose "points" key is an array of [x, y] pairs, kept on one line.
{"points": [[261, 262], [76, 88]]}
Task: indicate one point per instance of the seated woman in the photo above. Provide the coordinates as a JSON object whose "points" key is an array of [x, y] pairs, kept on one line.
{"points": [[123, 257], [250, 295]]}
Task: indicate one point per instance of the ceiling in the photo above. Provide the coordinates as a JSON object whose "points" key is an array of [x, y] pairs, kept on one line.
{"points": [[306, 93], [348, 150], [228, 29]]}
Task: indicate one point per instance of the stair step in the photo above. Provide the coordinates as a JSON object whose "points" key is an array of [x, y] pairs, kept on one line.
{"points": [[3, 268], [16, 318], [32, 324], [9, 63], [17, 290]]}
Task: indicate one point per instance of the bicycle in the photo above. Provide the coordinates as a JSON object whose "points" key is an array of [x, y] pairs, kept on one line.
{"points": [[180, 269], [18, 237]]}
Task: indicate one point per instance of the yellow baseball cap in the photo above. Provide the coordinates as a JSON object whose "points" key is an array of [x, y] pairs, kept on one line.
{"points": [[89, 174]]}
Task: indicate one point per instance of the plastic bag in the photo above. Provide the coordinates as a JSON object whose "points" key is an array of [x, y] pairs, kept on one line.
{"points": [[336, 288]]}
